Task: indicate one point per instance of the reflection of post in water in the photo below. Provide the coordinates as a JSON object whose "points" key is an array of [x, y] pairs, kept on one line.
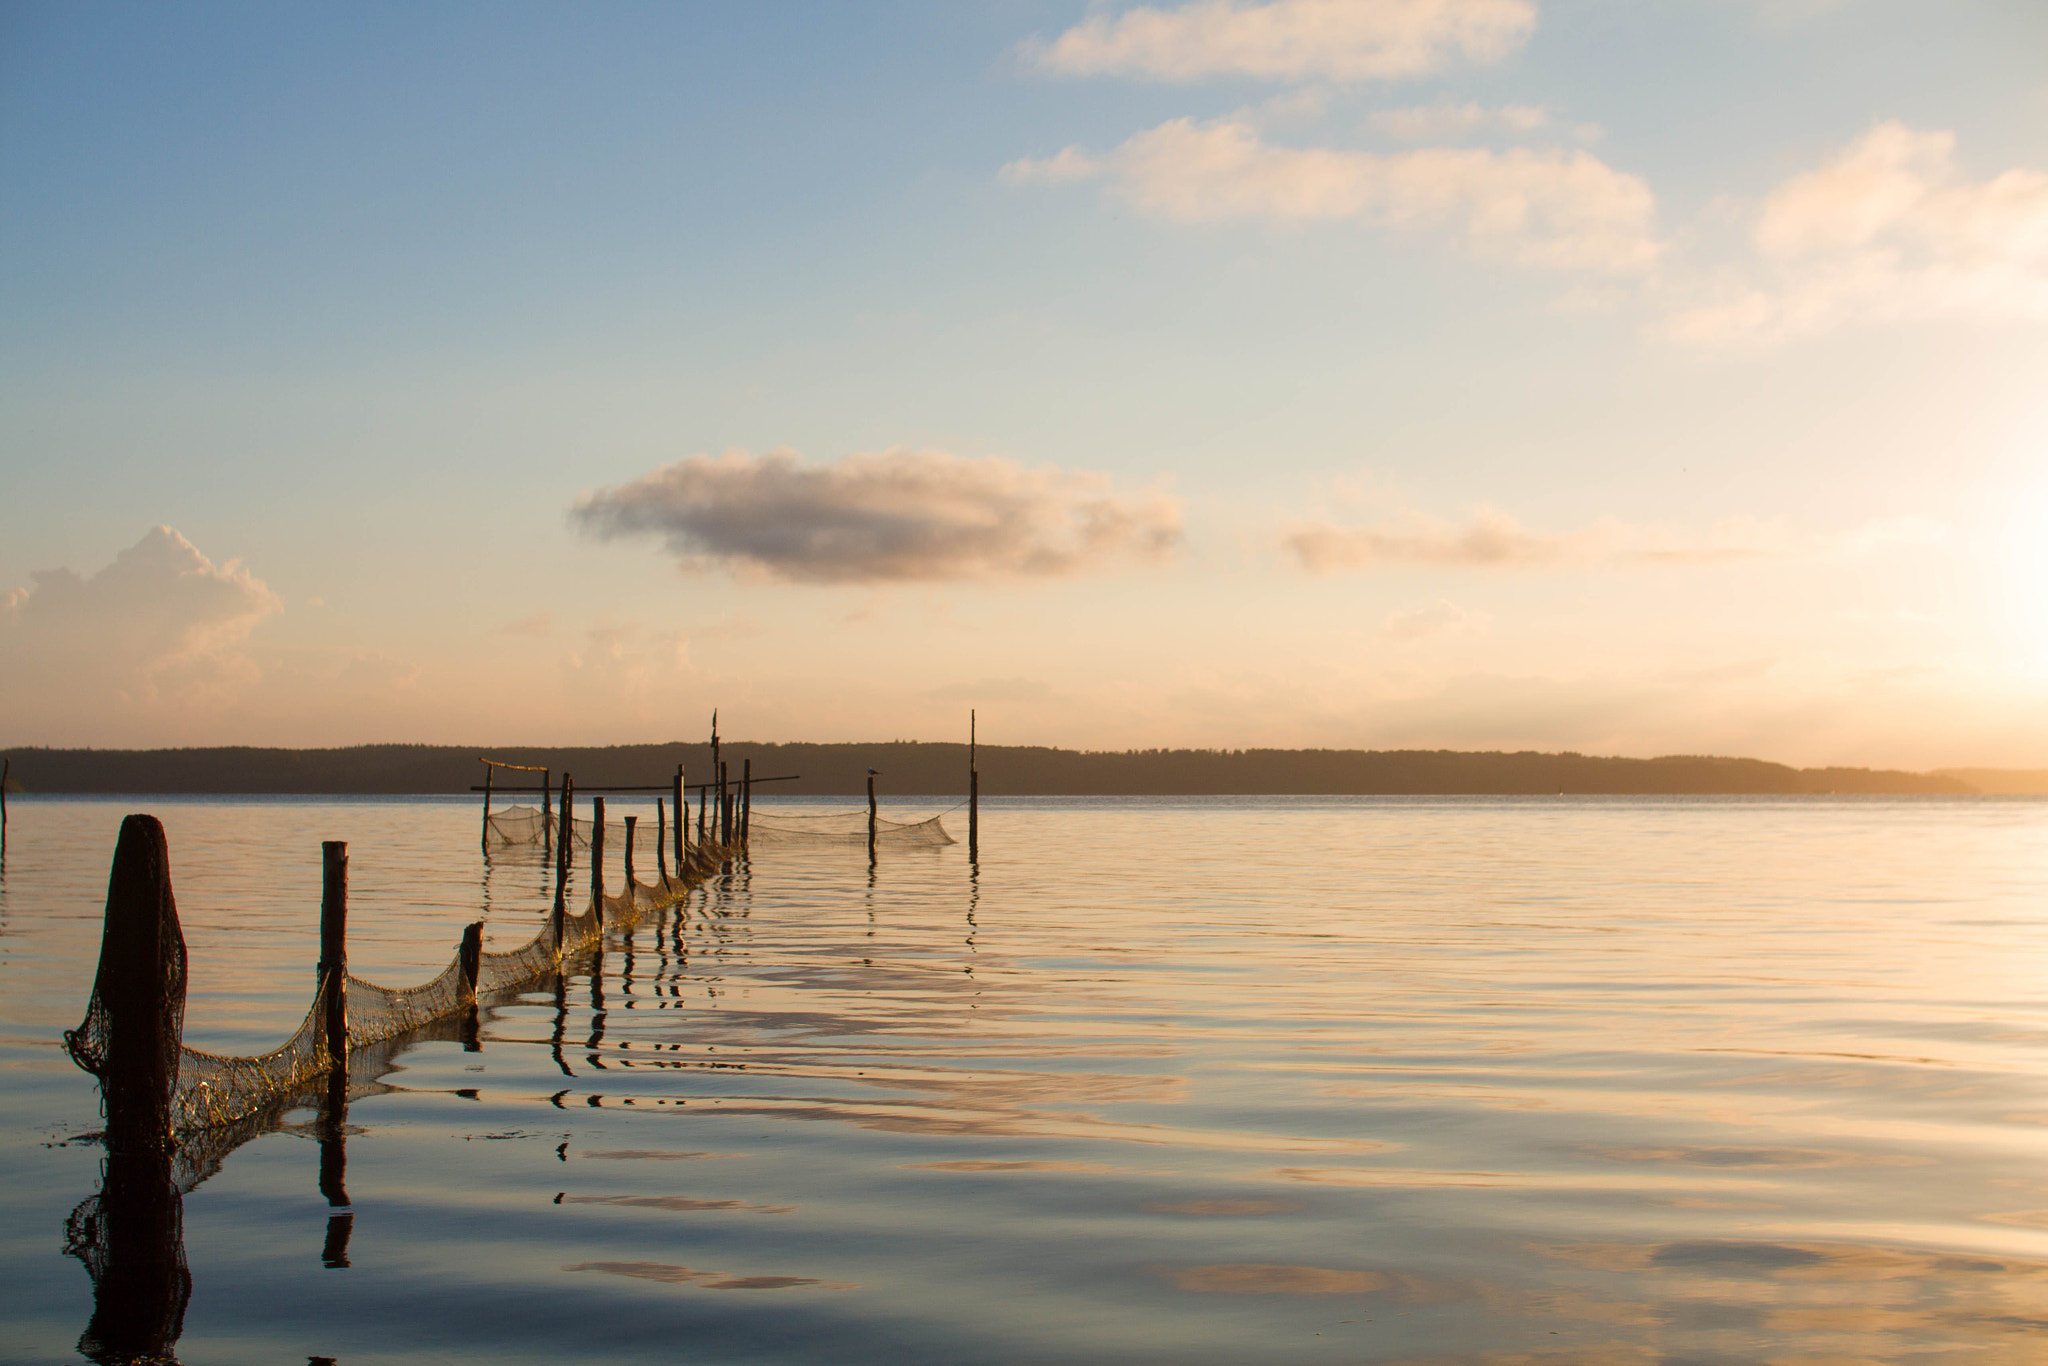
{"points": [[334, 1170], [130, 1236], [597, 1010]]}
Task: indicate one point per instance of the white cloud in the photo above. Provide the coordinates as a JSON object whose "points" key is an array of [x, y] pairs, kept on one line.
{"points": [[893, 515], [1553, 209], [1888, 230], [1289, 39], [1434, 122], [161, 614], [1492, 539], [1434, 619]]}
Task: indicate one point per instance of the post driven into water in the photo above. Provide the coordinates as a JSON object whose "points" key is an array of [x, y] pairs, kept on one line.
{"points": [[334, 951], [564, 841]]}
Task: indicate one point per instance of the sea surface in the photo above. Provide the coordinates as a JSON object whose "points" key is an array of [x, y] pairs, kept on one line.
{"points": [[1592, 1082]]}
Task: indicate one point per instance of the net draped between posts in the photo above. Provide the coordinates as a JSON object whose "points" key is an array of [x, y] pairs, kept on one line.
{"points": [[209, 1090], [526, 825]]}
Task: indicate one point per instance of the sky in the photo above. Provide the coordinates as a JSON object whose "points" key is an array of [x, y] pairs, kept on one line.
{"points": [[1622, 376]]}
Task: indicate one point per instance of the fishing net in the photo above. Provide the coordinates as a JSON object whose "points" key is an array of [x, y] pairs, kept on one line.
{"points": [[512, 825], [215, 1092], [841, 827]]}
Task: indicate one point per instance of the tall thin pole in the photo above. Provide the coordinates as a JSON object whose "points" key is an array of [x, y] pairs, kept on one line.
{"points": [[334, 950], [631, 822], [724, 804], [597, 857], [490, 773], [717, 771], [5, 769], [973, 793], [564, 841], [682, 822], [661, 839], [871, 815], [547, 811], [746, 800]]}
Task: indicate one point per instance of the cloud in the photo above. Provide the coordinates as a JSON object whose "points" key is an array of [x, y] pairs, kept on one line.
{"points": [[161, 621], [1547, 208], [534, 624], [1435, 121], [1289, 39], [892, 516], [1435, 619], [1492, 539], [1888, 230]]}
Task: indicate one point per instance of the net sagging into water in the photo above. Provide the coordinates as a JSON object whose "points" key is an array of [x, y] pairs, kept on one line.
{"points": [[527, 825], [208, 1090]]}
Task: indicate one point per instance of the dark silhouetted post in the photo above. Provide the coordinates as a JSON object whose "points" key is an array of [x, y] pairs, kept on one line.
{"points": [[973, 794], [746, 801], [661, 840], [631, 822], [597, 858], [547, 810], [470, 957], [682, 822], [334, 951], [871, 816], [724, 806], [5, 769], [490, 774], [564, 841]]}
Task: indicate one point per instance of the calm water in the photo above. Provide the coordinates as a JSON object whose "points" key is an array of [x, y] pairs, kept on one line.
{"points": [[1505, 1082]]}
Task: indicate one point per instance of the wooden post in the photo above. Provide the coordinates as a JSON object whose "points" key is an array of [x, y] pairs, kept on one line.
{"points": [[597, 857], [631, 822], [547, 810], [334, 951], [973, 794], [490, 774], [718, 775], [565, 840], [724, 805], [703, 817], [871, 815], [682, 822], [471, 956], [661, 840], [746, 801], [132, 1033], [5, 769]]}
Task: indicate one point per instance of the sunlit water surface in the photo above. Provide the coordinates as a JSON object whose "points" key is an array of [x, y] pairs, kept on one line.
{"points": [[1448, 1081]]}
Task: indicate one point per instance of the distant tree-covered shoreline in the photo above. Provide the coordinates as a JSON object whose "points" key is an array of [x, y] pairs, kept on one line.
{"points": [[912, 767]]}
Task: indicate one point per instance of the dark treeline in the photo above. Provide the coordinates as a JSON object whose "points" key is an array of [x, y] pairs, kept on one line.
{"points": [[910, 767]]}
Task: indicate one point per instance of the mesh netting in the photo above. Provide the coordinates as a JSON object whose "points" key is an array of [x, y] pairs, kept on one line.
{"points": [[530, 825], [841, 827], [212, 1091]]}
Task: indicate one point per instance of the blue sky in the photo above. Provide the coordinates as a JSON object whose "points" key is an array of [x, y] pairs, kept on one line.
{"points": [[1622, 375]]}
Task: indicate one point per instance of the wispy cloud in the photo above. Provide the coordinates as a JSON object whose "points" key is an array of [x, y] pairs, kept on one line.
{"points": [[1289, 40], [895, 515], [1434, 122], [1492, 539], [1887, 230], [1432, 620], [1545, 208]]}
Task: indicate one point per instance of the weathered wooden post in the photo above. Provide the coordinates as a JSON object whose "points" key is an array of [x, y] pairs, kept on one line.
{"points": [[470, 957], [724, 805], [597, 858], [661, 840], [490, 774], [334, 951], [631, 822], [547, 813], [871, 816], [973, 794], [682, 821], [703, 815], [718, 774], [746, 801], [564, 841]]}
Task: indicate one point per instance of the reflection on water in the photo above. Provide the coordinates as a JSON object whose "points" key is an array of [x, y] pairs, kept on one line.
{"points": [[1423, 1082]]}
